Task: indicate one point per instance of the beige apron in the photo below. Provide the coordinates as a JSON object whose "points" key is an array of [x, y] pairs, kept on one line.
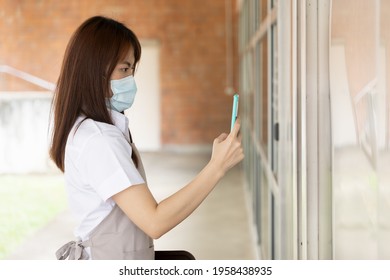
{"points": [[115, 238]]}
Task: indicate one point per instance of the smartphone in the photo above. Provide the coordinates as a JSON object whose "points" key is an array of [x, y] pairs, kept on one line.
{"points": [[235, 110]]}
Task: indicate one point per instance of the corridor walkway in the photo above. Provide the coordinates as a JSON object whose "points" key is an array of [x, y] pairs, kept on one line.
{"points": [[219, 229]]}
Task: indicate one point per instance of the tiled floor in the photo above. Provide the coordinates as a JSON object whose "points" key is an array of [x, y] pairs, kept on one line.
{"points": [[218, 229]]}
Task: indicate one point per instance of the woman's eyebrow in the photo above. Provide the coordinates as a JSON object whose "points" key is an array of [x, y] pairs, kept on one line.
{"points": [[127, 63]]}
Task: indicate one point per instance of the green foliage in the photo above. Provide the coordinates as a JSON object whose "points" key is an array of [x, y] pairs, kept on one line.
{"points": [[27, 203]]}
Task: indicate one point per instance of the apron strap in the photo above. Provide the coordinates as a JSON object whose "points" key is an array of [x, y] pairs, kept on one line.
{"points": [[131, 138], [133, 155]]}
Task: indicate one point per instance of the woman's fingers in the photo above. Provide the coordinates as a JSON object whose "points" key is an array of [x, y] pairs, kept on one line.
{"points": [[221, 138], [227, 148], [236, 128]]}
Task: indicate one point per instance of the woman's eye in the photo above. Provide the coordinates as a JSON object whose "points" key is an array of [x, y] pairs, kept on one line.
{"points": [[125, 69]]}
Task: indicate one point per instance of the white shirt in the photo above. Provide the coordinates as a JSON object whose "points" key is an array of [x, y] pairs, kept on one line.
{"points": [[98, 165]]}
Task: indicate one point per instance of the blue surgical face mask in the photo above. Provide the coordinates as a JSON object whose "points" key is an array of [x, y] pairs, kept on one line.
{"points": [[123, 91]]}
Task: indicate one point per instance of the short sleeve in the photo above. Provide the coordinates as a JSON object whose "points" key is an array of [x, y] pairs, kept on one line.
{"points": [[106, 165]]}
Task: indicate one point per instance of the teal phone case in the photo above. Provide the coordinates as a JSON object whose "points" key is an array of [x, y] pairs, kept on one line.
{"points": [[234, 111]]}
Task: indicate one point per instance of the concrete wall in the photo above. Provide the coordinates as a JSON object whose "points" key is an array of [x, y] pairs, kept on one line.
{"points": [[24, 135]]}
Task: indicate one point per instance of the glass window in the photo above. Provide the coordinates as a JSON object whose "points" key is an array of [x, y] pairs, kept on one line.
{"points": [[383, 117], [358, 70], [264, 9], [273, 230], [258, 90], [274, 96], [263, 138], [257, 193], [259, 78], [256, 9], [265, 219], [250, 88]]}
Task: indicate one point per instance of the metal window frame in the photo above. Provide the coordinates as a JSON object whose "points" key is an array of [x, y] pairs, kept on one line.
{"points": [[314, 159]]}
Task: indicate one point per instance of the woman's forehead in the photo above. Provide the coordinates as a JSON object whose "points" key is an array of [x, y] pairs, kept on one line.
{"points": [[128, 56]]}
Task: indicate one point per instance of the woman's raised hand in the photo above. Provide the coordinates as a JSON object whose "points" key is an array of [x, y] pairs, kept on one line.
{"points": [[227, 149]]}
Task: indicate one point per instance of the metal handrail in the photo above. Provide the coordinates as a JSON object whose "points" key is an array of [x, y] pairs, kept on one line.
{"points": [[365, 90], [367, 139], [27, 77]]}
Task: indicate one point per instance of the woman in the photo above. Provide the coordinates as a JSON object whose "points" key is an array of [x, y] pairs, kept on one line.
{"points": [[108, 193]]}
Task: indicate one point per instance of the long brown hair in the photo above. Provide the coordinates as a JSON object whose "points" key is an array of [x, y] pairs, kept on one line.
{"points": [[83, 84]]}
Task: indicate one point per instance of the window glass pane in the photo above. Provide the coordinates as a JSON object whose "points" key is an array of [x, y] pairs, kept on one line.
{"points": [[247, 22], [273, 222], [263, 137], [256, 9], [250, 89], [257, 195], [265, 220], [252, 11], [263, 9], [241, 28], [274, 96], [258, 101], [358, 71], [258, 90], [383, 117]]}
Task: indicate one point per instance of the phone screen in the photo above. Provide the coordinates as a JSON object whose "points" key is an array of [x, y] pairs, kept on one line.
{"points": [[234, 110]]}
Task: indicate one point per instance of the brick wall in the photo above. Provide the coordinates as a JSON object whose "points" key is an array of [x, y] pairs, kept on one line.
{"points": [[191, 33]]}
